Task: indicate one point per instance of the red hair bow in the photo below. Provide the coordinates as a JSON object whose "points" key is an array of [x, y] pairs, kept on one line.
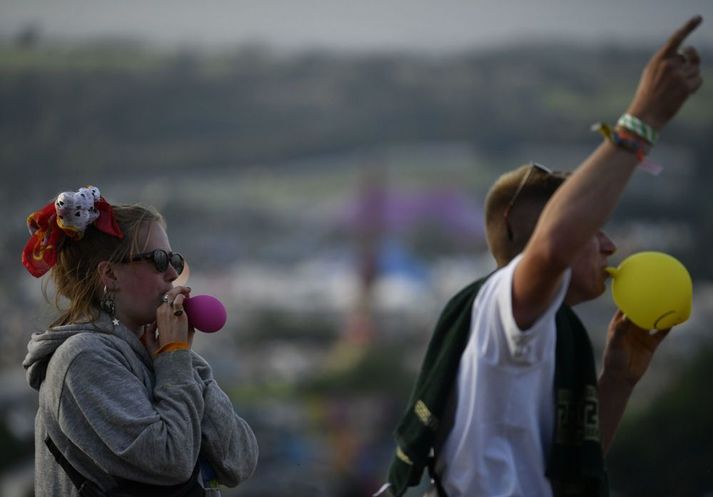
{"points": [[47, 237]]}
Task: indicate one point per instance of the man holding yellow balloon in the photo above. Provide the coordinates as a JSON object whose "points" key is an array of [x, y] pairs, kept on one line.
{"points": [[508, 401]]}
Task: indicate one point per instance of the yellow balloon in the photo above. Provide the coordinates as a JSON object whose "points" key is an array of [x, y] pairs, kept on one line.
{"points": [[653, 289]]}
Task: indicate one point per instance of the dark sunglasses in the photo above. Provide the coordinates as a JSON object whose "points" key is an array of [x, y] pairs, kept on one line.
{"points": [[161, 259], [523, 182]]}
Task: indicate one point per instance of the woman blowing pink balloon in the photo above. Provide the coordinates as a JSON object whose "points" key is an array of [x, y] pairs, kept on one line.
{"points": [[125, 406]]}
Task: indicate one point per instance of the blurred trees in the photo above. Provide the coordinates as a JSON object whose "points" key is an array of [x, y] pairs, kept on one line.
{"points": [[666, 450], [93, 113], [106, 108], [13, 449]]}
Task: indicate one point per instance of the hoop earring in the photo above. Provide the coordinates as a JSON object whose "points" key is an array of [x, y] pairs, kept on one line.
{"points": [[108, 305]]}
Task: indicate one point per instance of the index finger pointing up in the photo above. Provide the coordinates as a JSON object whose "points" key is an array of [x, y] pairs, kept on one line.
{"points": [[674, 42]]}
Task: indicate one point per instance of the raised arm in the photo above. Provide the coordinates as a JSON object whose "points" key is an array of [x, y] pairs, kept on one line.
{"points": [[578, 210]]}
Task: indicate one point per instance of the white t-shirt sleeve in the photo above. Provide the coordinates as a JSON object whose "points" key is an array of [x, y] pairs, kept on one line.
{"points": [[501, 340]]}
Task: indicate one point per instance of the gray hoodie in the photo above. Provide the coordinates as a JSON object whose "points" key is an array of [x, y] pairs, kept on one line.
{"points": [[112, 410]]}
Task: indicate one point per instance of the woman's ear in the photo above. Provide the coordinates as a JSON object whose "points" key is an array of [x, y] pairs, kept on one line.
{"points": [[107, 276]]}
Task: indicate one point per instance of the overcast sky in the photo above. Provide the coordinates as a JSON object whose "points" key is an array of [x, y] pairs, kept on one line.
{"points": [[416, 25]]}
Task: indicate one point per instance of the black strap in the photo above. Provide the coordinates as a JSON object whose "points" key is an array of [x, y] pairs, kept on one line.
{"points": [[190, 488], [435, 479], [88, 488]]}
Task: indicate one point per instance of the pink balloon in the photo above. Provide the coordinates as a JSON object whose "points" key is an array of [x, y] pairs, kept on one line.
{"points": [[205, 313]]}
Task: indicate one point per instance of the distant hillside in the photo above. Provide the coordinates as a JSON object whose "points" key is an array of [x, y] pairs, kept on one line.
{"points": [[80, 108], [117, 111]]}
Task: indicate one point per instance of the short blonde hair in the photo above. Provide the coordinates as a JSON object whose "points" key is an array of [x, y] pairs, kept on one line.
{"points": [[536, 190], [76, 274]]}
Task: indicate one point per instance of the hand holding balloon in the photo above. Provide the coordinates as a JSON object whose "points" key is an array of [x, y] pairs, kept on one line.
{"points": [[205, 313], [653, 290]]}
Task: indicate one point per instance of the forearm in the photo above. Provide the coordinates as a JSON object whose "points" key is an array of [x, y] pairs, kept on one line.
{"points": [[613, 397], [584, 203], [229, 444], [579, 209], [572, 218], [228, 441], [627, 356], [150, 437]]}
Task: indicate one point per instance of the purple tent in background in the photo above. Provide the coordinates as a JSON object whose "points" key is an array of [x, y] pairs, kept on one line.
{"points": [[382, 219], [382, 211]]}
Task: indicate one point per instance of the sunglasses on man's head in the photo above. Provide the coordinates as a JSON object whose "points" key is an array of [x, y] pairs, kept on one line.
{"points": [[523, 182], [161, 259]]}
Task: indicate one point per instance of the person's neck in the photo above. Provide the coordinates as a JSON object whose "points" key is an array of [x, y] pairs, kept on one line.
{"points": [[572, 299], [136, 329]]}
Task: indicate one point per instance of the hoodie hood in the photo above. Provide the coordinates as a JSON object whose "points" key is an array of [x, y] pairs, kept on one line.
{"points": [[40, 349], [42, 345]]}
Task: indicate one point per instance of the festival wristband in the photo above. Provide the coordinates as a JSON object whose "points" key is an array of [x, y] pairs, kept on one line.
{"points": [[623, 138], [639, 127], [173, 346]]}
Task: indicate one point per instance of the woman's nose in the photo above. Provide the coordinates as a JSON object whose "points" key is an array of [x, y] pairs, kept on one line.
{"points": [[171, 273]]}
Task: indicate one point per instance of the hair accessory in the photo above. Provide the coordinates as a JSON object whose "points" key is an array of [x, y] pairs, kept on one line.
{"points": [[68, 215], [639, 127], [76, 210]]}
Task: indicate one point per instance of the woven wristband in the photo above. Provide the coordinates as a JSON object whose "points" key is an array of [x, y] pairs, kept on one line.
{"points": [[172, 346], [636, 125], [629, 141]]}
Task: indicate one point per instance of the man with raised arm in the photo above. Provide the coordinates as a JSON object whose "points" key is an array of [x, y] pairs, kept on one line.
{"points": [[508, 402]]}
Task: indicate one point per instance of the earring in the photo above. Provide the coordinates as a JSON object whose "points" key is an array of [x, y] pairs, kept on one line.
{"points": [[108, 305]]}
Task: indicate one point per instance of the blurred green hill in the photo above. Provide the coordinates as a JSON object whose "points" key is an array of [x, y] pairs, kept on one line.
{"points": [[113, 111], [123, 106], [678, 422]]}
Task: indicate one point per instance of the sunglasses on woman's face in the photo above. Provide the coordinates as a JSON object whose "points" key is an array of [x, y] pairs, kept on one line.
{"points": [[161, 259]]}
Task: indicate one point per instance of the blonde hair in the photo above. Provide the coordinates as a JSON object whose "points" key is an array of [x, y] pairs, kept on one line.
{"points": [[76, 275], [536, 190]]}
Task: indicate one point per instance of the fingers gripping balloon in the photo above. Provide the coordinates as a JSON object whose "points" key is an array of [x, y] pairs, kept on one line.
{"points": [[205, 313], [653, 289]]}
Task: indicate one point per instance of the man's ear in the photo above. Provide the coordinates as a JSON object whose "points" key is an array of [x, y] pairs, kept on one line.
{"points": [[107, 276]]}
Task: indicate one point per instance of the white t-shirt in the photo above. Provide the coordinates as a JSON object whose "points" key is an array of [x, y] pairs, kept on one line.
{"points": [[504, 412]]}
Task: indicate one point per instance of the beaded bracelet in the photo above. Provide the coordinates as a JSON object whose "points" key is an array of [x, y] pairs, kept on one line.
{"points": [[172, 346], [639, 127]]}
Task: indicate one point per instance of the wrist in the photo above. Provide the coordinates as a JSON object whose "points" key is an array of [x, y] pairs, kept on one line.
{"points": [[632, 124], [624, 139], [171, 347], [647, 117], [617, 380]]}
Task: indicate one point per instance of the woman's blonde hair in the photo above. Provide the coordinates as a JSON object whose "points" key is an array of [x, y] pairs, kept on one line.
{"points": [[76, 276]]}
